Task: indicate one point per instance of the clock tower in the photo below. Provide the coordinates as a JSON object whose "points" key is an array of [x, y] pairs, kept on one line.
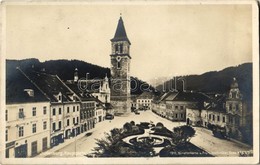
{"points": [[120, 70]]}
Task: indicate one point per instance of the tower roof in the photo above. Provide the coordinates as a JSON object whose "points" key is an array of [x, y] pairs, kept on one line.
{"points": [[234, 84], [120, 34]]}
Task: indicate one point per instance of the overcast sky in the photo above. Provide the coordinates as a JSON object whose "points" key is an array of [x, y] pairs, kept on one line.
{"points": [[167, 40]]}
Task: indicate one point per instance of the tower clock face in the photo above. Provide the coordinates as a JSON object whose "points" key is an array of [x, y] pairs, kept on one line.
{"points": [[118, 58]]}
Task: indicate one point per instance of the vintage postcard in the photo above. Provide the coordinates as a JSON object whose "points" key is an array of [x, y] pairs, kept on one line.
{"points": [[129, 82]]}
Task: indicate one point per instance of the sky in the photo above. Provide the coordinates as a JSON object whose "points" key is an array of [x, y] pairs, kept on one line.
{"points": [[167, 40]]}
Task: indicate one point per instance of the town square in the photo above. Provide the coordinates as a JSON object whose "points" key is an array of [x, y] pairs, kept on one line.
{"points": [[119, 81]]}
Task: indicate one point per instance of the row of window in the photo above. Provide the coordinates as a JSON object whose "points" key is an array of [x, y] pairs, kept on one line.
{"points": [[180, 115], [234, 120], [21, 114], [75, 121], [21, 130], [60, 110], [230, 119], [145, 104], [54, 126], [148, 101], [88, 105], [212, 117], [176, 107], [87, 114]]}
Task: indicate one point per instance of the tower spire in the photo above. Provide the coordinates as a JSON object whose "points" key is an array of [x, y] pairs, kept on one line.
{"points": [[120, 34]]}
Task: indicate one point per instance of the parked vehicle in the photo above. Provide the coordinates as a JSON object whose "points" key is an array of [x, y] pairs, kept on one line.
{"points": [[109, 117], [133, 109], [137, 113]]}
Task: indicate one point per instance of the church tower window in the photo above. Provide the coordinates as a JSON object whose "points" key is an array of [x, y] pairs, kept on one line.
{"points": [[116, 48], [230, 107], [118, 65], [121, 48]]}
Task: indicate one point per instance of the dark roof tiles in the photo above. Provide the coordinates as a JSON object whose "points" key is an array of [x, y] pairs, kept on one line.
{"points": [[17, 85], [52, 86], [120, 34]]}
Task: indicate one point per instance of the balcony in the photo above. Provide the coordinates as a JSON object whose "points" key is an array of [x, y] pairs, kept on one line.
{"points": [[21, 115]]}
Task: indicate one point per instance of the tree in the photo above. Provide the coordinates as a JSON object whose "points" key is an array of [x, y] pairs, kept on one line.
{"points": [[127, 127], [183, 134], [132, 123], [144, 148], [107, 147], [116, 133], [159, 125]]}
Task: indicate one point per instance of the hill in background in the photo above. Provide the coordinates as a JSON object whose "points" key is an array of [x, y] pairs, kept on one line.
{"points": [[216, 81], [65, 70]]}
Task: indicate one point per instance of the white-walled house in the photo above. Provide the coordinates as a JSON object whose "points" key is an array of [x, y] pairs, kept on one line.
{"points": [[144, 101], [64, 106], [87, 107], [100, 112], [27, 117]]}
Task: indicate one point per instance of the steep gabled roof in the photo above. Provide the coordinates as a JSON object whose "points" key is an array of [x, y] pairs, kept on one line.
{"points": [[217, 104], [120, 34], [83, 95], [164, 96], [145, 95], [17, 85], [51, 85], [191, 96], [171, 96], [186, 96]]}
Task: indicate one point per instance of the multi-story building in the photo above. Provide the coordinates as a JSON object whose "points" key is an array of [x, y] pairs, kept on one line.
{"points": [[64, 106], [27, 116], [173, 105], [87, 106], [100, 111], [159, 104], [230, 112], [133, 102], [99, 88], [212, 112], [144, 101]]}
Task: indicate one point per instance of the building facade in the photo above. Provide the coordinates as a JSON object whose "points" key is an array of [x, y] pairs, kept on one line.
{"points": [[229, 112], [64, 106], [144, 101], [103, 92], [27, 117], [173, 105], [120, 71], [87, 107]]}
